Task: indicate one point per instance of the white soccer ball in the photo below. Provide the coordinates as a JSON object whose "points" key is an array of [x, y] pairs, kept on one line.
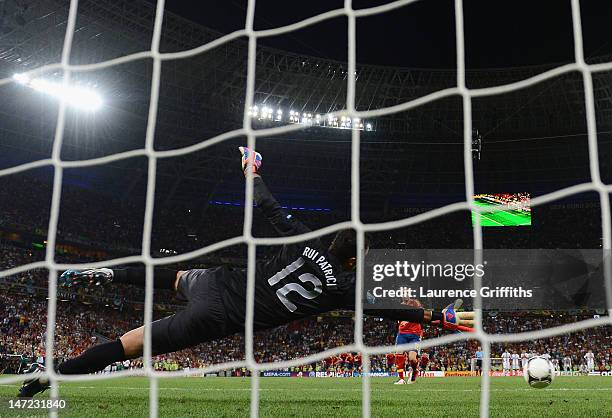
{"points": [[539, 372]]}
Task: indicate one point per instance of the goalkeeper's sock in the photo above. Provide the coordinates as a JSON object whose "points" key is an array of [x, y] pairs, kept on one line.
{"points": [[162, 278], [94, 359]]}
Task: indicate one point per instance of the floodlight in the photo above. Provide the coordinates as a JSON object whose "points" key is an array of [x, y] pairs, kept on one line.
{"points": [[21, 78], [75, 96], [263, 113]]}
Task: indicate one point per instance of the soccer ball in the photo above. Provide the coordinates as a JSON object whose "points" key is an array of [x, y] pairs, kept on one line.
{"points": [[539, 372]]}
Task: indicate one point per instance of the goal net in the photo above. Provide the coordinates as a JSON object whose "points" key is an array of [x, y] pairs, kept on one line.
{"points": [[460, 90]]}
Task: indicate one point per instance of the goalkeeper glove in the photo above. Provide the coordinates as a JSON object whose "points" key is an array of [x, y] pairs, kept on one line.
{"points": [[456, 321], [449, 317], [250, 158]]}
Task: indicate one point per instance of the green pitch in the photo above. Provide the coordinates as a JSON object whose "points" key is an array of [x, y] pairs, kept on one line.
{"points": [[332, 397], [501, 218]]}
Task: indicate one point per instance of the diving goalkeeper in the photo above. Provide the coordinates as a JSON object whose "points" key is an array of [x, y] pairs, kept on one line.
{"points": [[301, 280]]}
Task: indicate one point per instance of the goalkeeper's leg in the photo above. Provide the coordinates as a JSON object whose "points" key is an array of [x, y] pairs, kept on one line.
{"points": [[163, 278], [129, 346], [203, 319]]}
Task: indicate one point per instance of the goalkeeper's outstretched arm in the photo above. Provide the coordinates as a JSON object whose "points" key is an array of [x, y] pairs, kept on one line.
{"points": [[448, 318], [283, 222]]}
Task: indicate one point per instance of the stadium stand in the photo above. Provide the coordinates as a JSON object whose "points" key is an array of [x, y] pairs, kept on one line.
{"points": [[79, 326]]}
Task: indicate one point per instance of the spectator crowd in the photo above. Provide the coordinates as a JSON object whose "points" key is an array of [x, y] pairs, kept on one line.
{"points": [[24, 325]]}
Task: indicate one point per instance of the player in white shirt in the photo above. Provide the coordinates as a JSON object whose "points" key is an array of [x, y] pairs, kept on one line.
{"points": [[590, 360], [524, 359], [506, 362], [555, 363], [567, 364], [515, 364]]}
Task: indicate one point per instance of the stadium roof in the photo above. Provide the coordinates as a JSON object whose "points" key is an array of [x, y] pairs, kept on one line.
{"points": [[538, 132]]}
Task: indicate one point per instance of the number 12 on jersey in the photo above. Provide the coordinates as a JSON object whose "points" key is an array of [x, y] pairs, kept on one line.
{"points": [[295, 287]]}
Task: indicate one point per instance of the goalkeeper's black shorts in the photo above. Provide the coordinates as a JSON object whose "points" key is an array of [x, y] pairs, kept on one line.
{"points": [[203, 319]]}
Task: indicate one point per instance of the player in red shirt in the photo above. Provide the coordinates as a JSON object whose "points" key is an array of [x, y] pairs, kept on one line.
{"points": [[357, 362], [409, 332], [329, 362], [344, 361], [335, 363], [349, 361]]}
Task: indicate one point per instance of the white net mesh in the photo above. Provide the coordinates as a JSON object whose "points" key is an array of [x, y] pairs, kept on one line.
{"points": [[485, 339]]}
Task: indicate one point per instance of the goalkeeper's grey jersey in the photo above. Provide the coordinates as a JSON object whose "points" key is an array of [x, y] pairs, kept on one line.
{"points": [[300, 280]]}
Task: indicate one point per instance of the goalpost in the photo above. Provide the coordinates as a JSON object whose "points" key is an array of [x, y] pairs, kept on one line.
{"points": [[247, 238]]}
